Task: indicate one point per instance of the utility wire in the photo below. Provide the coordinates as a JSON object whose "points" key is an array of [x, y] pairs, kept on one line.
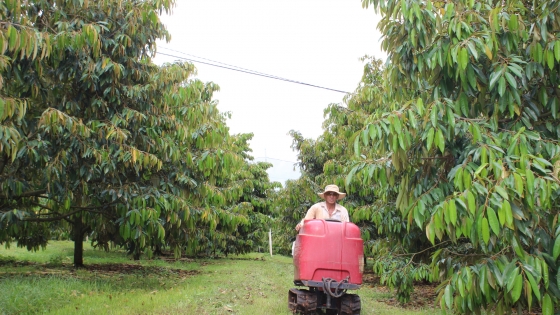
{"points": [[244, 69], [254, 73], [225, 64], [269, 158]]}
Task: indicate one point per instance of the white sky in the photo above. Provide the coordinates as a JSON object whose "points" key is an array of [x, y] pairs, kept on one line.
{"points": [[318, 42]]}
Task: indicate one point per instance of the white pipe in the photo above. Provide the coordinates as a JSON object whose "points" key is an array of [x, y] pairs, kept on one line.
{"points": [[270, 241]]}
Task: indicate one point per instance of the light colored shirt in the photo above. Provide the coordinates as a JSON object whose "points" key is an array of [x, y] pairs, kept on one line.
{"points": [[319, 211]]}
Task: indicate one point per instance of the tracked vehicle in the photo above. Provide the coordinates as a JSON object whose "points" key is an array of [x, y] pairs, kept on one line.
{"points": [[328, 261]]}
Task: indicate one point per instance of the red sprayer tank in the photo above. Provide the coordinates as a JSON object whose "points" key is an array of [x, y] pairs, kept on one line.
{"points": [[328, 259], [329, 249]]}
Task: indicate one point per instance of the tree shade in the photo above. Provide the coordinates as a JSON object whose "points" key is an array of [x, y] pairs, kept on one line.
{"points": [[97, 140]]}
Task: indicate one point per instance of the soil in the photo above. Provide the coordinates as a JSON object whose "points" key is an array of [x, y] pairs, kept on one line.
{"points": [[113, 269], [103, 270], [424, 294]]}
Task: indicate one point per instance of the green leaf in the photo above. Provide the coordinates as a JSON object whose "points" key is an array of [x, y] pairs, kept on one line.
{"points": [[412, 119], [13, 37], [472, 49], [556, 248], [464, 104], [467, 181], [494, 77], [518, 184], [511, 278], [471, 202], [482, 279], [480, 168], [547, 307], [475, 133], [500, 190], [448, 296], [357, 146], [501, 216], [493, 220], [545, 274], [511, 80], [517, 248], [501, 86], [452, 212], [458, 180], [488, 52], [513, 68], [430, 138], [372, 132], [506, 207], [557, 50], [365, 137], [512, 23], [534, 285], [530, 180], [490, 276], [463, 58], [550, 59], [485, 230], [558, 275], [126, 231], [440, 140], [434, 116], [528, 293], [430, 232], [471, 76], [420, 106], [517, 286]]}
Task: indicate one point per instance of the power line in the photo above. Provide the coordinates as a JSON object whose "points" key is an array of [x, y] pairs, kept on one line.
{"points": [[269, 158], [254, 73], [225, 64], [243, 69]]}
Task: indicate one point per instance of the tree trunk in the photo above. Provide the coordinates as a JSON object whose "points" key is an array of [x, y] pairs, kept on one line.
{"points": [[158, 251], [78, 234]]}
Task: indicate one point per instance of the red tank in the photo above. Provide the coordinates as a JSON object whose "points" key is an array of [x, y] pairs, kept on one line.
{"points": [[329, 250]]}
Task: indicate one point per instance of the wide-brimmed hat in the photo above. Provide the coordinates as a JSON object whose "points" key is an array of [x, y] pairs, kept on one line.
{"points": [[332, 188]]}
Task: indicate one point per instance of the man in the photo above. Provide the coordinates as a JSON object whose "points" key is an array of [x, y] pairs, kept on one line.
{"points": [[328, 209]]}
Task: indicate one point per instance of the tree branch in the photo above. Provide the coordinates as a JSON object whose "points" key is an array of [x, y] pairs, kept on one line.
{"points": [[63, 216], [34, 193]]}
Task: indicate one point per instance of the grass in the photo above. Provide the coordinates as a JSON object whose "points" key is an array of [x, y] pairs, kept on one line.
{"points": [[44, 282]]}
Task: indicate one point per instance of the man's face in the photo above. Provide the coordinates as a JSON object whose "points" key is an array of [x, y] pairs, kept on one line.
{"points": [[331, 197]]}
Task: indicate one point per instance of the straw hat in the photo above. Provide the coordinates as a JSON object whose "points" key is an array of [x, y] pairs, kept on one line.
{"points": [[332, 188]]}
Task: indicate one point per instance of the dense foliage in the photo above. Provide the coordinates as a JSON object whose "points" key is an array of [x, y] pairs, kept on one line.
{"points": [[451, 151], [97, 140], [473, 151]]}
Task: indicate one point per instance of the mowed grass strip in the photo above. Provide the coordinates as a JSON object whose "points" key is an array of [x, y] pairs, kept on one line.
{"points": [[45, 282]]}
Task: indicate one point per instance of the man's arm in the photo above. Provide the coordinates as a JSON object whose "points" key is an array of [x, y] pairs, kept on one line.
{"points": [[308, 216], [344, 217]]}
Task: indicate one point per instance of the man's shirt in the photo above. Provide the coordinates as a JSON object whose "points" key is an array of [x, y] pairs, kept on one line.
{"points": [[319, 211]]}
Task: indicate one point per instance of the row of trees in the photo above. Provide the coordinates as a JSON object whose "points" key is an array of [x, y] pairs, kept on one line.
{"points": [[97, 140], [450, 153]]}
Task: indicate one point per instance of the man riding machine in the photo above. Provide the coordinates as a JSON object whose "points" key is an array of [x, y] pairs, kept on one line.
{"points": [[328, 259]]}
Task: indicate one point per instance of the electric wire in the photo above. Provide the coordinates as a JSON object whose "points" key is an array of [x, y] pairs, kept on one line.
{"points": [[222, 63], [254, 73], [270, 158], [245, 69]]}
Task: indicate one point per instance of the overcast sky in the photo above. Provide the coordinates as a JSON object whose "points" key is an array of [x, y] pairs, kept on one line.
{"points": [[318, 42]]}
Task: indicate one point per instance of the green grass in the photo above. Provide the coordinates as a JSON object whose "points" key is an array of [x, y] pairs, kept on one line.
{"points": [[45, 282]]}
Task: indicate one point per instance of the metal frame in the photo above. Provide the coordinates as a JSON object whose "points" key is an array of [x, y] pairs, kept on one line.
{"points": [[320, 284]]}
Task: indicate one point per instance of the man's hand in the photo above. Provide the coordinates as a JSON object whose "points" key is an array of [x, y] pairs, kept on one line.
{"points": [[298, 226]]}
